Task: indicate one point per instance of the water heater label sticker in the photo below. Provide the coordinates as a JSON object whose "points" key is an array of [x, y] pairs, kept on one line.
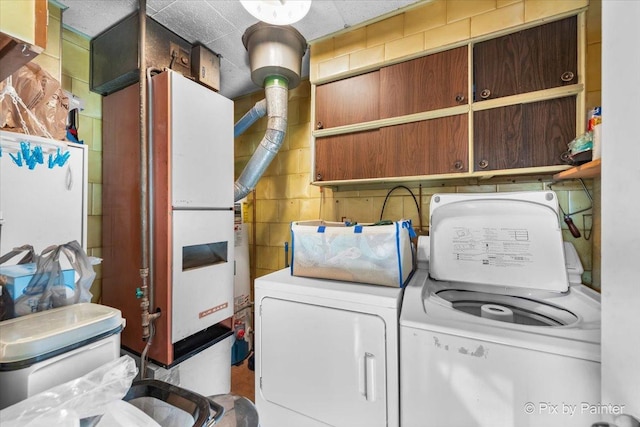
{"points": [[212, 310], [493, 246]]}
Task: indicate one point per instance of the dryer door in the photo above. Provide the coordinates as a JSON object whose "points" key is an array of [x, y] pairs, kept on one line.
{"points": [[324, 363]]}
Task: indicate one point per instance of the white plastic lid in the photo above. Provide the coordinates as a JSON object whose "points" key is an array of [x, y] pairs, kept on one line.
{"points": [[37, 334], [573, 264], [424, 246], [512, 240]]}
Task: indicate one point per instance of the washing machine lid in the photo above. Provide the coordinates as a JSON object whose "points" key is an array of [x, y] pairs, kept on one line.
{"points": [[511, 240], [53, 331]]}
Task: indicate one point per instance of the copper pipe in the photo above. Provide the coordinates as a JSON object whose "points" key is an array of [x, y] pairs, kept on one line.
{"points": [[147, 318]]}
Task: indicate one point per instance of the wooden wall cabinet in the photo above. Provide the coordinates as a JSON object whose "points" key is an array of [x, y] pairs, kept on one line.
{"points": [[524, 135], [358, 155], [539, 58], [424, 84], [23, 33], [427, 147], [415, 118], [348, 101]]}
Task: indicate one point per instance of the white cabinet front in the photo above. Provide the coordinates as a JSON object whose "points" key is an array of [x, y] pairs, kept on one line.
{"points": [[201, 146], [203, 255], [42, 206], [324, 363]]}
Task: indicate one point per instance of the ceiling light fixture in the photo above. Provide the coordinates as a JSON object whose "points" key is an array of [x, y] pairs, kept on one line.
{"points": [[277, 12]]}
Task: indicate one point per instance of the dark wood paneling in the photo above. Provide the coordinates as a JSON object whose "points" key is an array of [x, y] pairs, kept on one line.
{"points": [[331, 155], [548, 127], [498, 138], [373, 157], [496, 65], [527, 61], [162, 349], [349, 156], [424, 84], [121, 215], [121, 248], [548, 51], [437, 146], [348, 101], [524, 135]]}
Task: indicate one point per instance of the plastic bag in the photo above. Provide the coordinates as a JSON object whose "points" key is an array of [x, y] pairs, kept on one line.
{"points": [[43, 96], [30, 256], [68, 403], [7, 309], [47, 288]]}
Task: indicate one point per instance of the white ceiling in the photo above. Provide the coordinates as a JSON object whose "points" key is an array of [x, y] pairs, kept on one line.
{"points": [[219, 25]]}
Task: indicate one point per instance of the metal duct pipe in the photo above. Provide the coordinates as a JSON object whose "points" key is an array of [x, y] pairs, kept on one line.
{"points": [[277, 93], [275, 54], [257, 112]]}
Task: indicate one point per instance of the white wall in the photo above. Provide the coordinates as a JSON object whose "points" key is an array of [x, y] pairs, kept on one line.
{"points": [[620, 221]]}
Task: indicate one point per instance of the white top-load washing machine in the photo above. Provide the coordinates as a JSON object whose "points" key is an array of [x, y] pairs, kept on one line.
{"points": [[496, 330], [326, 352]]}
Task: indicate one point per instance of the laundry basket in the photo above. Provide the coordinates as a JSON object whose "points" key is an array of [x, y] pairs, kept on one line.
{"points": [[377, 254]]}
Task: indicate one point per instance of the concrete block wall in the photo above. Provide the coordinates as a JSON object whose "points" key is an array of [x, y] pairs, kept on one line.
{"points": [[284, 194]]}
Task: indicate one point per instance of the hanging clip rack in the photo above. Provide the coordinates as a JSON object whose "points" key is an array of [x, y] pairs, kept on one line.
{"points": [[29, 150], [567, 215]]}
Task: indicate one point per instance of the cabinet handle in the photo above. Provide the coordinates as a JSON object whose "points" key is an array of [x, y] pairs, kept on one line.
{"points": [[25, 50], [485, 93], [483, 164], [459, 99], [567, 76], [320, 125], [319, 177], [458, 165]]}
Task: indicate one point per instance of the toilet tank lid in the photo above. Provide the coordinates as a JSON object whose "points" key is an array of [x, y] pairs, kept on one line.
{"points": [[55, 331]]}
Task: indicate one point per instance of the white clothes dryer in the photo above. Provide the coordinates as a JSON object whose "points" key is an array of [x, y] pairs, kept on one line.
{"points": [[326, 352], [496, 330]]}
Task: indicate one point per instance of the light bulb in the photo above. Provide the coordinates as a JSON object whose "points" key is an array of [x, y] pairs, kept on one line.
{"points": [[277, 12]]}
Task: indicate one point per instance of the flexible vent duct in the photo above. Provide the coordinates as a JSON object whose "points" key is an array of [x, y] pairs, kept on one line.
{"points": [[275, 55]]}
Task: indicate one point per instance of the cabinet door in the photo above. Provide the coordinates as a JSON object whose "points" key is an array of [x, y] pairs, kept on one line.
{"points": [[202, 270], [324, 363], [429, 147], [424, 84], [436, 146], [43, 206], [539, 58], [524, 135], [549, 55], [357, 155], [348, 101], [23, 33], [201, 135]]}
